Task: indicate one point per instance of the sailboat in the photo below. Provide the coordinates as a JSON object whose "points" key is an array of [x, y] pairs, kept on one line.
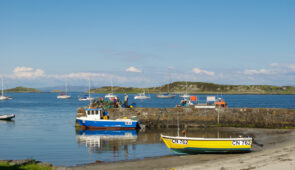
{"points": [[185, 95], [2, 97], [87, 98], [64, 95], [166, 95], [142, 95], [111, 95]]}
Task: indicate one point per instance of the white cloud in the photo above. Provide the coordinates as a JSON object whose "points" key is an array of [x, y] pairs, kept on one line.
{"points": [[274, 64], [27, 72], [81, 75], [200, 71], [291, 67], [133, 69], [261, 71]]}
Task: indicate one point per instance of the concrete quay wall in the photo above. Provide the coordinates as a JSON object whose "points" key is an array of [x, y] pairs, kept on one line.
{"points": [[192, 117]]}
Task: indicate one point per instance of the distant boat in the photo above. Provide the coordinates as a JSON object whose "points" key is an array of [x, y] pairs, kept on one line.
{"points": [[98, 119], [211, 103], [185, 95], [142, 96], [111, 95], [2, 97], [64, 95], [7, 116], [166, 95], [87, 98]]}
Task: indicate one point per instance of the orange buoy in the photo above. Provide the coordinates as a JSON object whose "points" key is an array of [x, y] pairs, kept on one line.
{"points": [[193, 98]]}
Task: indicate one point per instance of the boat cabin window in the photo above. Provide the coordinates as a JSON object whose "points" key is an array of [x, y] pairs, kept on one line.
{"points": [[93, 112]]}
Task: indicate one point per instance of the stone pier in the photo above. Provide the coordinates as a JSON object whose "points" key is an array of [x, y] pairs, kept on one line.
{"points": [[192, 117]]}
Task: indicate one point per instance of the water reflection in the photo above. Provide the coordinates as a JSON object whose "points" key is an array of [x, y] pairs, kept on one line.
{"points": [[100, 141]]}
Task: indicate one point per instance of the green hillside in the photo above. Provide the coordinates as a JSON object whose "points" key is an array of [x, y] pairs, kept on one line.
{"points": [[203, 88], [21, 89]]}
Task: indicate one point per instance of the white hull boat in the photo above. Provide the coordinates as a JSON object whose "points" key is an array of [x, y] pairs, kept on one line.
{"points": [[7, 117], [165, 96], [110, 95], [64, 97], [142, 96], [2, 97]]}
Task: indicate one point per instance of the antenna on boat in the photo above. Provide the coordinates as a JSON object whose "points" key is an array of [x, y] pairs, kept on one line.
{"points": [[177, 124]]}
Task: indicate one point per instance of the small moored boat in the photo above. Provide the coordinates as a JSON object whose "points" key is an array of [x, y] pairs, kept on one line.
{"points": [[98, 119], [207, 145], [142, 96], [7, 116]]}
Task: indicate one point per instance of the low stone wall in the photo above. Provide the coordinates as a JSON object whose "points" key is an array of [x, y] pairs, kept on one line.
{"points": [[192, 117]]}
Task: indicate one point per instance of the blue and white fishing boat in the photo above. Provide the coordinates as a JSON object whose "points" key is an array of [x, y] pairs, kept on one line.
{"points": [[98, 119]]}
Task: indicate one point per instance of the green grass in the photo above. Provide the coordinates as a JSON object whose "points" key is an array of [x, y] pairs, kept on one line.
{"points": [[30, 166]]}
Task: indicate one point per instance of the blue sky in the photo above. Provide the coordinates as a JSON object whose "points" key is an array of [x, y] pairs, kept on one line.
{"points": [[44, 43]]}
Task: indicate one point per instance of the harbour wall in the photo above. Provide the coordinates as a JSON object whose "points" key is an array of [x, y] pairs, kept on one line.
{"points": [[192, 117]]}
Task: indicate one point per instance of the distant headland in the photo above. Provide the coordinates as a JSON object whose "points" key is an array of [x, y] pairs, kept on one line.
{"points": [[179, 88], [21, 89], [202, 88]]}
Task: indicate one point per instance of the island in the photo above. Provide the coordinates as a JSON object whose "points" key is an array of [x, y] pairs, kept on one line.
{"points": [[21, 89], [201, 88]]}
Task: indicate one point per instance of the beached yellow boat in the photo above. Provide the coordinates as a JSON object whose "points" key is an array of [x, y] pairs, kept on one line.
{"points": [[201, 145]]}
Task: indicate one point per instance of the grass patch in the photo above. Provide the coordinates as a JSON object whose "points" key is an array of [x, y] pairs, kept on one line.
{"points": [[31, 165]]}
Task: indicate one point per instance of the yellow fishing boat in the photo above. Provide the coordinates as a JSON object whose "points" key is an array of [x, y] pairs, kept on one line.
{"points": [[207, 145]]}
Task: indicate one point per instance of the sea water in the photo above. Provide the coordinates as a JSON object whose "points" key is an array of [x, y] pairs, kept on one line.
{"points": [[44, 129]]}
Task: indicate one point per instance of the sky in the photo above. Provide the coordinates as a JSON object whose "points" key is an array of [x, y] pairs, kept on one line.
{"points": [[146, 43]]}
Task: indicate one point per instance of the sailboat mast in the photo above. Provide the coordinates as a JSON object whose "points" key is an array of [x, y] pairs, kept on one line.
{"points": [[186, 88], [89, 88], [112, 86], [66, 88], [169, 79], [2, 90]]}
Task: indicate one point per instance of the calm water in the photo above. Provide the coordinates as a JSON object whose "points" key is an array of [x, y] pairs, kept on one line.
{"points": [[44, 129]]}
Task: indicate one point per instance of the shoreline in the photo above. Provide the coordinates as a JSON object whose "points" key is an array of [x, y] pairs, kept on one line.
{"points": [[278, 151]]}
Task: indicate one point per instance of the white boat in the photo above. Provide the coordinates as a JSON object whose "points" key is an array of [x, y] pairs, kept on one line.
{"points": [[111, 95], [211, 103], [87, 98], [185, 95], [165, 96], [7, 117], [142, 96], [64, 95], [2, 97]]}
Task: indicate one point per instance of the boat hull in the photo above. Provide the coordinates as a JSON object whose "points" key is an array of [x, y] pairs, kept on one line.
{"points": [[207, 145], [7, 117], [108, 124], [141, 97]]}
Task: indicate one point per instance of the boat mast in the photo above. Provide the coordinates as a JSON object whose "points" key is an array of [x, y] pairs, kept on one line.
{"points": [[2, 90], [112, 86], [66, 88], [89, 88], [186, 88], [169, 79], [143, 81]]}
